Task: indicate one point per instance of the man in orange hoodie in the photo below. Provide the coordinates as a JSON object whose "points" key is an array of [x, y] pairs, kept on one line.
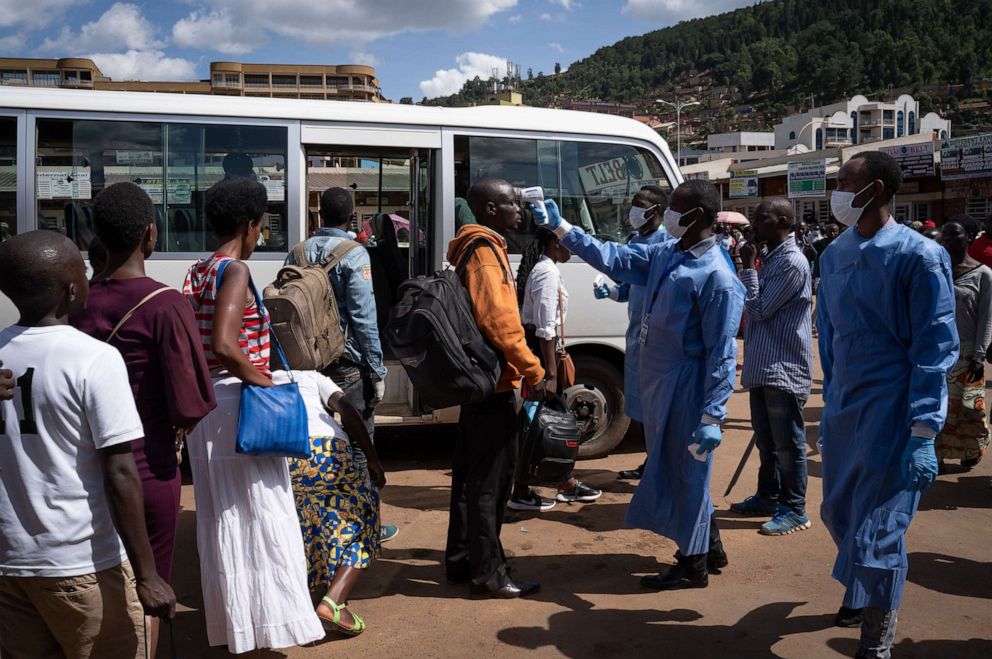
{"points": [[486, 448]]}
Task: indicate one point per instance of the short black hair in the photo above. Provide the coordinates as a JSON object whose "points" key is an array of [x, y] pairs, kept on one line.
{"points": [[703, 194], [122, 213], [336, 206], [482, 192], [35, 267], [882, 167], [239, 164], [970, 225], [232, 202], [656, 194]]}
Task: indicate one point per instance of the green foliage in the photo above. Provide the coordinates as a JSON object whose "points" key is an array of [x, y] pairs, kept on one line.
{"points": [[781, 51]]}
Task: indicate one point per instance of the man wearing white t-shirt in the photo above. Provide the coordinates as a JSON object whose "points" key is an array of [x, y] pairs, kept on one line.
{"points": [[71, 511]]}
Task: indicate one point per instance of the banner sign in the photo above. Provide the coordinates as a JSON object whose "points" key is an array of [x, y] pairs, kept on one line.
{"points": [[915, 160], [808, 178], [744, 184], [966, 157]]}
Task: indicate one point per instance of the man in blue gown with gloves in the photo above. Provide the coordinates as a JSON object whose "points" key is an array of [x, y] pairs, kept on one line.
{"points": [[887, 340], [692, 309]]}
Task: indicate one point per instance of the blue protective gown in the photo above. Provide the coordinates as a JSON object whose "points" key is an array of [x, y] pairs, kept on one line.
{"points": [[633, 295], [887, 339], [687, 371]]}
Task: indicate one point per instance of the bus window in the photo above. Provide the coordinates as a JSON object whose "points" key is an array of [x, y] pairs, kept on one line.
{"points": [[8, 177], [174, 163], [593, 182]]}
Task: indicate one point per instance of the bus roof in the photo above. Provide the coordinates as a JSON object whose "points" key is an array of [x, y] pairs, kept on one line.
{"points": [[484, 116]]}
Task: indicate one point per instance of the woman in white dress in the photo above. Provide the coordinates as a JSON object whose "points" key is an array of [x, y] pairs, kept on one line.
{"points": [[253, 568]]}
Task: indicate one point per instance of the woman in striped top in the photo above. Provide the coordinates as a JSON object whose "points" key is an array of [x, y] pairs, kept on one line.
{"points": [[252, 561]]}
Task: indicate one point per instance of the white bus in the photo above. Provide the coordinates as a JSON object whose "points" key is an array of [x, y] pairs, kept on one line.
{"points": [[405, 165]]}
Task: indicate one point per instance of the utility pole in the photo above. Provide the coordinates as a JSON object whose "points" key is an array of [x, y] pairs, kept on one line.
{"points": [[678, 105]]}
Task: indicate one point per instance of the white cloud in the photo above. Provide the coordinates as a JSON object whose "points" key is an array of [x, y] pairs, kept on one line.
{"points": [[144, 65], [449, 81], [567, 4], [516, 18], [362, 57], [121, 26], [546, 17], [326, 22], [34, 14], [216, 30], [556, 46], [11, 43], [669, 12]]}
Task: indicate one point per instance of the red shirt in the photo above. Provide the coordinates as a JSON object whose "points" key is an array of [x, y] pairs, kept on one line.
{"points": [[981, 250]]}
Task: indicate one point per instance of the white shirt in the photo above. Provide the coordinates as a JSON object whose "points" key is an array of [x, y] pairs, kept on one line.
{"points": [[316, 390], [541, 299], [73, 398]]}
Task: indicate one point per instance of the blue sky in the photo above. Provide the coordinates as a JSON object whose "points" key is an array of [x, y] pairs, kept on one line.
{"points": [[419, 47]]}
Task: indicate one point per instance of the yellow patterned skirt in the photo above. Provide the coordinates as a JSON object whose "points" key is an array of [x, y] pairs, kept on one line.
{"points": [[338, 508], [966, 432]]}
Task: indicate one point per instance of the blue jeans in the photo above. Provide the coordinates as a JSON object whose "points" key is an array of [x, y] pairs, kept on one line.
{"points": [[777, 417]]}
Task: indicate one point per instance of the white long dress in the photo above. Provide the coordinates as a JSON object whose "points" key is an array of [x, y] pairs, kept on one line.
{"points": [[253, 567]]}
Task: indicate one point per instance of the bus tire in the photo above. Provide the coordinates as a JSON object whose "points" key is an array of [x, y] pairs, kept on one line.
{"points": [[597, 401]]}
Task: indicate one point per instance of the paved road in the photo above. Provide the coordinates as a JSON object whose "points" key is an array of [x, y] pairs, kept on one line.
{"points": [[776, 599]]}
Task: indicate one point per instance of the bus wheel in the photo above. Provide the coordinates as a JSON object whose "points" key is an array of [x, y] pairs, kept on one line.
{"points": [[596, 400]]}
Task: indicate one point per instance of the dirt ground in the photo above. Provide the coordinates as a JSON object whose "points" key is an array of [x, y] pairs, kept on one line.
{"points": [[776, 599]]}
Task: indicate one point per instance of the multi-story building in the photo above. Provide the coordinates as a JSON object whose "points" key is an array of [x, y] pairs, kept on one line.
{"points": [[346, 82], [857, 121], [599, 107]]}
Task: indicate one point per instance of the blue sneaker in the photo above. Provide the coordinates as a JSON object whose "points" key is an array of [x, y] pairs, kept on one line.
{"points": [[785, 522], [387, 532], [755, 506]]}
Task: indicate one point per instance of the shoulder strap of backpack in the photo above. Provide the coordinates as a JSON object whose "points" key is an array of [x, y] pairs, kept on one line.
{"points": [[470, 249], [300, 255], [339, 253]]}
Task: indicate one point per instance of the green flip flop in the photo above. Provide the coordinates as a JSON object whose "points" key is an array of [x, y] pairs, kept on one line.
{"points": [[335, 623]]}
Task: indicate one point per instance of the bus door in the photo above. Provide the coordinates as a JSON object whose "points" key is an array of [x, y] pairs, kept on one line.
{"points": [[393, 192]]}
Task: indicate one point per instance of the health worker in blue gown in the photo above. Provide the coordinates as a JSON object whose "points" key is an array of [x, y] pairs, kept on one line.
{"points": [[692, 309], [646, 210], [887, 339]]}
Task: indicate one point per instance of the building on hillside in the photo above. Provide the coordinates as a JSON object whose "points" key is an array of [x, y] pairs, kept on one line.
{"points": [[932, 188], [857, 121], [505, 97], [599, 107], [346, 82]]}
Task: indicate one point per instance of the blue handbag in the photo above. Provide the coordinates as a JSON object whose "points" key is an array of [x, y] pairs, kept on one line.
{"points": [[272, 421]]}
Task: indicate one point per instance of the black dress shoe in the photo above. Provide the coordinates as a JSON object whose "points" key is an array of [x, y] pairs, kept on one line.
{"points": [[689, 572], [847, 617], [509, 591], [716, 560]]}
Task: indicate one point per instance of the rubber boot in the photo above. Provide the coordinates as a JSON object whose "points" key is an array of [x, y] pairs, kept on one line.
{"points": [[688, 572]]}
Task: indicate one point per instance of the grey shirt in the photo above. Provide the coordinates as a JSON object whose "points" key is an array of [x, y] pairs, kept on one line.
{"points": [[973, 302]]}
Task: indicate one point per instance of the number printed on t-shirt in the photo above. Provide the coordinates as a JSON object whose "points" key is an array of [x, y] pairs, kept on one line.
{"points": [[27, 424]]}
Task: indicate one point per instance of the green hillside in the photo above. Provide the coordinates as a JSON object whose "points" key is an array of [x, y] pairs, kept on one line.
{"points": [[778, 54]]}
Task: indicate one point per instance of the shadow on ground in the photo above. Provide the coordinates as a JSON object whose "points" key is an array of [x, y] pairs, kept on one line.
{"points": [[951, 574], [975, 648], [660, 633]]}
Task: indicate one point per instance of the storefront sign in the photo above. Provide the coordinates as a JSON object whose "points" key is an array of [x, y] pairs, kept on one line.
{"points": [[56, 183], [966, 157], [808, 178], [916, 160], [744, 184]]}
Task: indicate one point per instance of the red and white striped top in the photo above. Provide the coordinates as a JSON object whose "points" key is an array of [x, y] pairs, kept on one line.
{"points": [[200, 288]]}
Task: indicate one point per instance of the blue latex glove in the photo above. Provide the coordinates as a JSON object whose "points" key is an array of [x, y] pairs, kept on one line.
{"points": [[919, 463], [530, 409], [708, 436], [549, 220], [601, 292]]}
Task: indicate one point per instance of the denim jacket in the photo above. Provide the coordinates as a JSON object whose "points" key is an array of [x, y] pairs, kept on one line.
{"points": [[351, 280]]}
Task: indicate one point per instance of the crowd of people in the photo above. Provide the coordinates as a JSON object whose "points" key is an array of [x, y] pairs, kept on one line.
{"points": [[117, 374]]}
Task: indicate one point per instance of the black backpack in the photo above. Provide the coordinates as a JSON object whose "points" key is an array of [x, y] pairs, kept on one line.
{"points": [[433, 333], [549, 444]]}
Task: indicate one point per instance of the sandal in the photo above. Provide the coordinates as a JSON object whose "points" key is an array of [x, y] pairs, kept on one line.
{"points": [[335, 623]]}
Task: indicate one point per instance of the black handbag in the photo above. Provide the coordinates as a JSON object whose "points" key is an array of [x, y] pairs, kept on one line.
{"points": [[549, 444]]}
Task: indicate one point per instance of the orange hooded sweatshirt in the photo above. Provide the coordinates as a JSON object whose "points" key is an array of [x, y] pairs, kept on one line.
{"points": [[494, 303]]}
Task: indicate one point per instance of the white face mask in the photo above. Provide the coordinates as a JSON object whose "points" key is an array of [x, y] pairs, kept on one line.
{"points": [[638, 216], [671, 221], [842, 208]]}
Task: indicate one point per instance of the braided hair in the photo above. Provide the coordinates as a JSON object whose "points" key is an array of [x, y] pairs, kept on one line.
{"points": [[532, 254]]}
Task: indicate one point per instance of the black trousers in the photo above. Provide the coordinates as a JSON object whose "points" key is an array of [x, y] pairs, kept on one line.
{"points": [[481, 479], [356, 385]]}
